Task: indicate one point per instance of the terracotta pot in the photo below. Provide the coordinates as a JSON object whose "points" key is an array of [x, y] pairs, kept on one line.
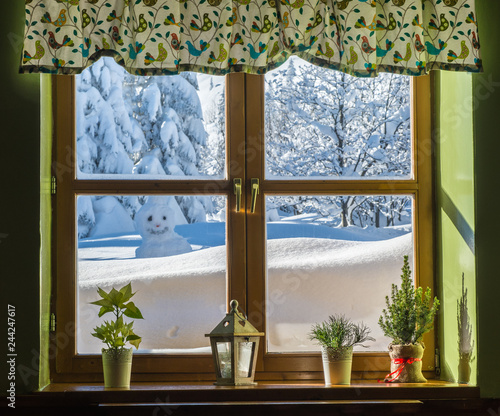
{"points": [[406, 364], [337, 365], [117, 367]]}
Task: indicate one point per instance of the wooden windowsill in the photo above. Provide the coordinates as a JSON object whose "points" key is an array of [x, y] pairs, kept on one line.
{"points": [[196, 392], [278, 398]]}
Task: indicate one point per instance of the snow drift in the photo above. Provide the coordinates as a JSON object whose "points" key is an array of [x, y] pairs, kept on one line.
{"points": [[183, 297]]}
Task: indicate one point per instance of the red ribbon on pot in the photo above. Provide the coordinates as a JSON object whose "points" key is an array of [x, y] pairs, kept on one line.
{"points": [[402, 364]]}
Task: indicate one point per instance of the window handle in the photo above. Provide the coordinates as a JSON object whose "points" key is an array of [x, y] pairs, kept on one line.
{"points": [[237, 192], [255, 192]]}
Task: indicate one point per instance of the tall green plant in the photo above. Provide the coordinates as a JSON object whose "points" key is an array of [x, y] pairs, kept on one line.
{"points": [[410, 312], [116, 333]]}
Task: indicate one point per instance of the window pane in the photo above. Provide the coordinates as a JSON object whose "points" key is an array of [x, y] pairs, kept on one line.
{"points": [[132, 127], [317, 267], [178, 268], [324, 123]]}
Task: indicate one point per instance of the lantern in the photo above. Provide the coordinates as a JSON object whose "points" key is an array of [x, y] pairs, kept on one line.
{"points": [[235, 344]]}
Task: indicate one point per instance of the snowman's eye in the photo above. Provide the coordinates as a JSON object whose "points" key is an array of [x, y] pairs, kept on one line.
{"points": [[164, 218], [150, 218]]}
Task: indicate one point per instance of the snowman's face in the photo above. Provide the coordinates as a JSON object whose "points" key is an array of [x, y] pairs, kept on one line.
{"points": [[156, 222]]}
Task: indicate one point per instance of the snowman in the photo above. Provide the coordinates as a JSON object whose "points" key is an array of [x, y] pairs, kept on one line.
{"points": [[155, 222]]}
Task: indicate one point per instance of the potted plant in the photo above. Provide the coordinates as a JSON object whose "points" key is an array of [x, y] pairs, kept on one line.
{"points": [[116, 358], [409, 315], [337, 337], [465, 341]]}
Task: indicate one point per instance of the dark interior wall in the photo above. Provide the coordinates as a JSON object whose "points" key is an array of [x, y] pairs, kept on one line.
{"points": [[19, 202], [487, 199]]}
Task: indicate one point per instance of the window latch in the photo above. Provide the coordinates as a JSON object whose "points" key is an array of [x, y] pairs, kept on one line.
{"points": [[52, 323], [53, 185], [237, 192], [255, 192]]}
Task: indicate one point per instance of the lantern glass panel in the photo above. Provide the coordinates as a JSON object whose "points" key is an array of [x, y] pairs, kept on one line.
{"points": [[224, 359], [245, 356]]}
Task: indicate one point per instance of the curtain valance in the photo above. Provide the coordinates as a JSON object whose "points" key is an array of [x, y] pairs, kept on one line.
{"points": [[154, 37]]}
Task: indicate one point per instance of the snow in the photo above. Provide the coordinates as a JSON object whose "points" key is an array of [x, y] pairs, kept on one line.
{"points": [[320, 123], [150, 165], [314, 272], [85, 215], [169, 134], [151, 100], [110, 217], [310, 279]]}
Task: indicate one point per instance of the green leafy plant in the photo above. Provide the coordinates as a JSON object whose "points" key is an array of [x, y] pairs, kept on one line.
{"points": [[338, 332], [410, 312], [116, 333]]}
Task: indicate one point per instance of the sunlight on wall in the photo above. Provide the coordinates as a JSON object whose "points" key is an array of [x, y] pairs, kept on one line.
{"points": [[45, 225], [455, 222]]}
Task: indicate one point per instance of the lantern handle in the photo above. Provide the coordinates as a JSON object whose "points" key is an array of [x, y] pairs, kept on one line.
{"points": [[234, 308]]}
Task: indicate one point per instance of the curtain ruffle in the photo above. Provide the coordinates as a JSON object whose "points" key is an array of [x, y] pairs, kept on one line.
{"points": [[166, 37]]}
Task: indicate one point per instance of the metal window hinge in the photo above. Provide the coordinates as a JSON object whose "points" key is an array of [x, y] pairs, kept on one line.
{"points": [[437, 362], [53, 185], [52, 324]]}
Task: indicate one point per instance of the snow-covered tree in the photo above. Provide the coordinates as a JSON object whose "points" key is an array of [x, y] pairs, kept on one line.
{"points": [[106, 134], [323, 123], [138, 125], [318, 123], [213, 155], [169, 112]]}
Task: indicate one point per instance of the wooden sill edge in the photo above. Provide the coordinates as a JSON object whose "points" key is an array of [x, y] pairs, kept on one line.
{"points": [[289, 391]]}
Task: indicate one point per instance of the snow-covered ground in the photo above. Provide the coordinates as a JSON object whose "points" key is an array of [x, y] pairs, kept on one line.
{"points": [[313, 271]]}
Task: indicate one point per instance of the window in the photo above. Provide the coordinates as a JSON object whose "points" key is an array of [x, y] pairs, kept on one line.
{"points": [[315, 211]]}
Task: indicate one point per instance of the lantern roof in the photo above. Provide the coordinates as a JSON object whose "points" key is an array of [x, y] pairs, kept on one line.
{"points": [[234, 324]]}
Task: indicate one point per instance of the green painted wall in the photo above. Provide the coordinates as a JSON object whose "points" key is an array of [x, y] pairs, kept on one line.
{"points": [[45, 225], [467, 149], [455, 217], [19, 201], [487, 185]]}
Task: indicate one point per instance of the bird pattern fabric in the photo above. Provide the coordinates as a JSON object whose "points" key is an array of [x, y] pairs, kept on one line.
{"points": [[155, 37]]}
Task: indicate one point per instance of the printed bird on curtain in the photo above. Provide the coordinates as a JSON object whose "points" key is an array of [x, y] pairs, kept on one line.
{"points": [[162, 55], [56, 45], [60, 21], [39, 52], [464, 53]]}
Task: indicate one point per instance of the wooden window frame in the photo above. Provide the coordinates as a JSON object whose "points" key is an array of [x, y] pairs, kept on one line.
{"points": [[245, 95], [365, 364]]}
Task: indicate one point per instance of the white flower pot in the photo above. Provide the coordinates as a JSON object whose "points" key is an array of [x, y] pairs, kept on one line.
{"points": [[464, 368], [337, 365], [117, 367]]}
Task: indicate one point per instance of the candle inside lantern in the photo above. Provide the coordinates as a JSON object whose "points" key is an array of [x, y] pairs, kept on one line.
{"points": [[245, 355], [224, 354]]}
